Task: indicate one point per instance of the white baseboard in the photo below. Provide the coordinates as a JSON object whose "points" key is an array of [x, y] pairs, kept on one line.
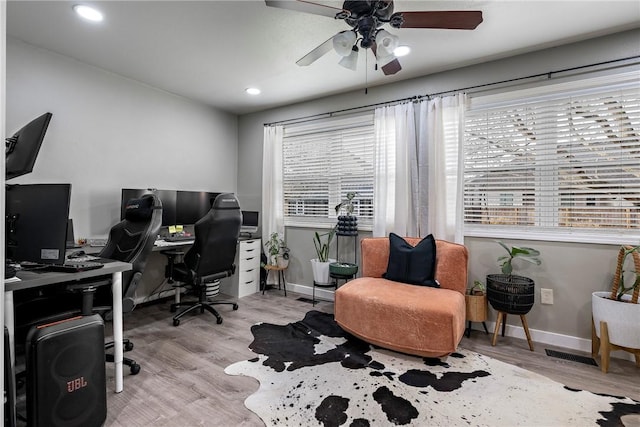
{"points": [[541, 337], [552, 338]]}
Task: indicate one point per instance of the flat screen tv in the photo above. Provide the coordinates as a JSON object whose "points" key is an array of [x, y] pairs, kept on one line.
{"points": [[36, 216], [193, 205], [23, 147]]}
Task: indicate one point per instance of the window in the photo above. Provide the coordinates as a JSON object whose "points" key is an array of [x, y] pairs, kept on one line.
{"points": [[563, 164], [323, 160]]}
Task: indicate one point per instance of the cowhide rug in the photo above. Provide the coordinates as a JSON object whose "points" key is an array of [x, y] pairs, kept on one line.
{"points": [[312, 373]]}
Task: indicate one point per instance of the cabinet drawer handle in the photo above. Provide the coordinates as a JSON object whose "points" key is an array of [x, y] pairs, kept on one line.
{"points": [[250, 250], [250, 281]]}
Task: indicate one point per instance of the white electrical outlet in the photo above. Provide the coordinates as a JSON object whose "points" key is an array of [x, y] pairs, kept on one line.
{"points": [[546, 296]]}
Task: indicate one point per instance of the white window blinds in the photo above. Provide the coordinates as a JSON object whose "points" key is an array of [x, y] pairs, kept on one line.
{"points": [[564, 162], [323, 160]]}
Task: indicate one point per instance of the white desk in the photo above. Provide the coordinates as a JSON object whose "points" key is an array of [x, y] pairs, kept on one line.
{"points": [[33, 279]]}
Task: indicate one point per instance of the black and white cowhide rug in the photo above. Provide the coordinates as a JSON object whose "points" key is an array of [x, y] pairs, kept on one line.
{"points": [[313, 373]]}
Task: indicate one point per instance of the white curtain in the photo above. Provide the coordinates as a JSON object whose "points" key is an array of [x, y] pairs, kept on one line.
{"points": [[272, 192], [396, 171], [441, 157]]}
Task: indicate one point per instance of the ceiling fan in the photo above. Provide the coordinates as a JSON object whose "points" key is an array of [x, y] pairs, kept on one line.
{"points": [[366, 19]]}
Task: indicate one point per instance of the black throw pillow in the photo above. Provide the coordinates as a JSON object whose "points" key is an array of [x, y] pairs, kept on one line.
{"points": [[413, 265]]}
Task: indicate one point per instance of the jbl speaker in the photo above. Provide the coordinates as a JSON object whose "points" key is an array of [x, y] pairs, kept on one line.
{"points": [[66, 380]]}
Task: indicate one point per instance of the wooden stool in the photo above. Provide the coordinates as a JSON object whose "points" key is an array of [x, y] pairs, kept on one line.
{"points": [[502, 319]]}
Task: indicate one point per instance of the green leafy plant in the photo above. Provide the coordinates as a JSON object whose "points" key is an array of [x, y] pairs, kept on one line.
{"points": [[276, 246], [526, 254], [322, 242], [477, 288], [347, 204]]}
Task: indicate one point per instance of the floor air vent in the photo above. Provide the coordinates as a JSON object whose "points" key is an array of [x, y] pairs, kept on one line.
{"points": [[571, 357], [303, 299]]}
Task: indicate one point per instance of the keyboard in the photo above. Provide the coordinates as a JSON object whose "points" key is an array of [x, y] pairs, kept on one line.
{"points": [[178, 238], [74, 267]]}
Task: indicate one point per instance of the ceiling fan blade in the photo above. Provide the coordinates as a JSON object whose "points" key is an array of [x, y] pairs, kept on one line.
{"points": [[316, 53], [389, 68], [306, 7], [455, 19]]}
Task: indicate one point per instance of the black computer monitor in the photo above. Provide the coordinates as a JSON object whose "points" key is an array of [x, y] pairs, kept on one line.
{"points": [[36, 216], [193, 205], [167, 197], [22, 148]]}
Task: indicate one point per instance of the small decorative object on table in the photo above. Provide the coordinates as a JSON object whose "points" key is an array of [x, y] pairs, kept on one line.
{"points": [[347, 224]]}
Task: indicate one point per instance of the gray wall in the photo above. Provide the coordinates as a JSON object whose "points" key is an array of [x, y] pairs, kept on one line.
{"points": [[109, 132], [572, 270]]}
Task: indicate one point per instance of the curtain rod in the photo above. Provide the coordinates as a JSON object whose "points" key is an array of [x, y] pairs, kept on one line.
{"points": [[548, 74]]}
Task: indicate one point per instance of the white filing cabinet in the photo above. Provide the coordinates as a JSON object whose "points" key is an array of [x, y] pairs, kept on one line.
{"points": [[246, 281]]}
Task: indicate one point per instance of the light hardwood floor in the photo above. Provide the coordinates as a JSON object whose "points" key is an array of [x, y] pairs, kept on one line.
{"points": [[182, 382]]}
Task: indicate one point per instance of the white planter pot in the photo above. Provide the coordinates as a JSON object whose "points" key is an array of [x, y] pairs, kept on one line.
{"points": [[321, 270], [623, 319]]}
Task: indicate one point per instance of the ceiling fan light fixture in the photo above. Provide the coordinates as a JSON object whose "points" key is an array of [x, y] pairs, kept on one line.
{"points": [[386, 42], [350, 61], [401, 50], [343, 42], [88, 13]]}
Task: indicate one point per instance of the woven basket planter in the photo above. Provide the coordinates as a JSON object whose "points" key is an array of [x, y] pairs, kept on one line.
{"points": [[510, 294]]}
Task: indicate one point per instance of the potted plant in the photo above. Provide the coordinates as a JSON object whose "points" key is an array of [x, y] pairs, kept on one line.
{"points": [[477, 288], [320, 264], [616, 313], [277, 250], [476, 306], [347, 224], [508, 292]]}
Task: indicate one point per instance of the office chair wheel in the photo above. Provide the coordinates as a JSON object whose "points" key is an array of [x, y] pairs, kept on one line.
{"points": [[176, 322], [128, 346], [235, 306], [134, 369]]}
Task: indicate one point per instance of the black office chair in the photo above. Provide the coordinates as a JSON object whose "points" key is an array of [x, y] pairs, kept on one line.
{"points": [[210, 259], [131, 240]]}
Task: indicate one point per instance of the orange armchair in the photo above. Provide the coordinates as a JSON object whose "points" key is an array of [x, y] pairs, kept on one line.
{"points": [[411, 319]]}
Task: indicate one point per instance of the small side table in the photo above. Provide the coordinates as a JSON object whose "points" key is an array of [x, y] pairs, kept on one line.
{"points": [[280, 274], [476, 306]]}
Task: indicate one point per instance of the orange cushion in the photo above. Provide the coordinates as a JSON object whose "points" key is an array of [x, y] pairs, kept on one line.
{"points": [[411, 319]]}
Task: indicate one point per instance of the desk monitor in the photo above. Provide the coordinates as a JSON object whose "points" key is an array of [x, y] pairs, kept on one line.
{"points": [[71, 237], [193, 205], [249, 222], [22, 148], [36, 226]]}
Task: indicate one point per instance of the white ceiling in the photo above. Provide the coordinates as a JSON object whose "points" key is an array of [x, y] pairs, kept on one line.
{"points": [[210, 51]]}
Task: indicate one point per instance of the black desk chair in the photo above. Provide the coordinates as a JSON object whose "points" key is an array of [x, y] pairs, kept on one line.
{"points": [[210, 259], [131, 240]]}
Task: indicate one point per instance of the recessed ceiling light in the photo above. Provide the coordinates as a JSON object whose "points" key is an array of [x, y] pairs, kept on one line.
{"points": [[88, 13], [401, 51], [252, 91]]}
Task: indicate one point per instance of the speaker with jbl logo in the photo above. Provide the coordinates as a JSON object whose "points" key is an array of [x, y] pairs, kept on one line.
{"points": [[66, 381]]}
